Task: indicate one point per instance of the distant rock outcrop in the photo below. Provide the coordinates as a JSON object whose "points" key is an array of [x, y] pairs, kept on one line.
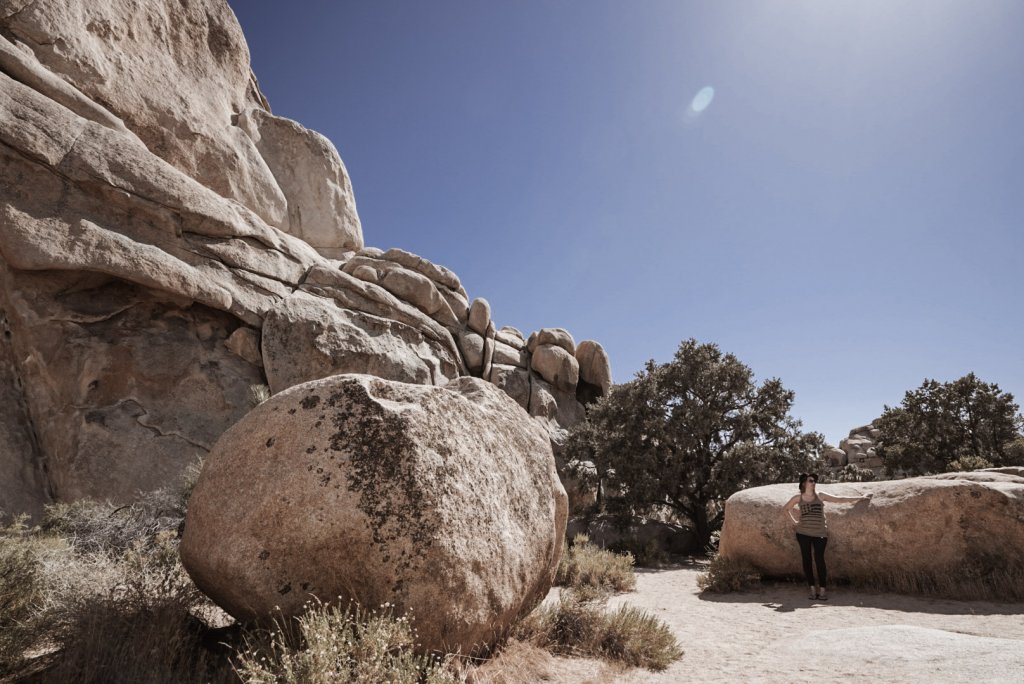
{"points": [[930, 527], [166, 242], [377, 491]]}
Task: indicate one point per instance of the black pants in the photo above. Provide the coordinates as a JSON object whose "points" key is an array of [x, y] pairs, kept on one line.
{"points": [[818, 543]]}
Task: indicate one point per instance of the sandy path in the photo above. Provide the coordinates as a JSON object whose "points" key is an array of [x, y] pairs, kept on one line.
{"points": [[776, 634]]}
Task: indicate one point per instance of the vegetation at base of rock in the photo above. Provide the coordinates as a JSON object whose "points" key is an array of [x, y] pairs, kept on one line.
{"points": [[726, 575], [978, 580], [956, 425], [330, 644], [101, 527], [98, 594], [582, 626], [689, 433], [585, 567], [21, 591], [258, 394], [102, 597]]}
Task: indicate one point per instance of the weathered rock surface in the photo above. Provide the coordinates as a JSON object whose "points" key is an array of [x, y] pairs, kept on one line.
{"points": [[557, 366], [595, 374], [308, 337], [361, 488], [926, 526], [510, 336], [559, 337], [173, 73], [515, 382], [166, 242], [479, 316], [124, 388], [510, 356], [558, 408], [321, 207]]}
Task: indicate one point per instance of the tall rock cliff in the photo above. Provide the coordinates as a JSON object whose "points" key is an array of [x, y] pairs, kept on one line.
{"points": [[166, 242]]}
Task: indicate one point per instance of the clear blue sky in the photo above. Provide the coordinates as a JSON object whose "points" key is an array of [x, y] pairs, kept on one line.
{"points": [[846, 214]]}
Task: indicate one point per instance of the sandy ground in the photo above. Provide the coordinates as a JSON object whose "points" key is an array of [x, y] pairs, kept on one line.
{"points": [[775, 634]]}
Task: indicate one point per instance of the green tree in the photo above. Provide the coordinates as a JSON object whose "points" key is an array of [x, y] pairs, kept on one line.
{"points": [[689, 433], [944, 426]]}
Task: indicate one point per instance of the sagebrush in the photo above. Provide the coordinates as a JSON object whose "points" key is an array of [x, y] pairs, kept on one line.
{"points": [[585, 566], [582, 626], [725, 575]]}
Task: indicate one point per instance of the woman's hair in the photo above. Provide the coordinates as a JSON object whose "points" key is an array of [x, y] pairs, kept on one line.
{"points": [[804, 477]]}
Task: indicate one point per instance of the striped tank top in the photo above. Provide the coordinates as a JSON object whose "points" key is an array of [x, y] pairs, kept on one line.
{"points": [[812, 518]]}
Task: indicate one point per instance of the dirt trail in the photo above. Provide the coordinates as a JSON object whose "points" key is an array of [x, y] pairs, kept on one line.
{"points": [[775, 634]]}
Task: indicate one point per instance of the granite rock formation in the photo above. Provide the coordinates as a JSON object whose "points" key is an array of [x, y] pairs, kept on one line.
{"points": [[166, 242], [377, 491]]}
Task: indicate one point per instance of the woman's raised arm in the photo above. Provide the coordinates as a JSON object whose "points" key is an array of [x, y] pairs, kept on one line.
{"points": [[842, 499]]}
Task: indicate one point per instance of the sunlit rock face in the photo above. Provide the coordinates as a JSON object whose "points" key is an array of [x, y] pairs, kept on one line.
{"points": [[166, 242], [442, 501]]}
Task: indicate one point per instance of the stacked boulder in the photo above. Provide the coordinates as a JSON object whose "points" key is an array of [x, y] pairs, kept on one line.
{"points": [[859, 449]]}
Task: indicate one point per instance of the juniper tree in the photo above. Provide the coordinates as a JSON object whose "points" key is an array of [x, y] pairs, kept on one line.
{"points": [[689, 433]]}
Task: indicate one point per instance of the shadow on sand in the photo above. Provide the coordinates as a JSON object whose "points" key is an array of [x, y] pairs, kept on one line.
{"points": [[788, 595], [785, 597]]}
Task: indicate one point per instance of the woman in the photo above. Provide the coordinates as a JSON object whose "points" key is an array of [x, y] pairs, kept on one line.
{"points": [[812, 530]]}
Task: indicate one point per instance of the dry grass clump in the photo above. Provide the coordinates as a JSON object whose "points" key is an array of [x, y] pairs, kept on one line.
{"points": [[98, 590], [21, 593], [580, 626], [982, 579], [585, 567], [726, 575], [130, 618], [327, 644]]}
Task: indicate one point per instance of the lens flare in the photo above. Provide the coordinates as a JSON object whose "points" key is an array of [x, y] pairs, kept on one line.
{"points": [[702, 99]]}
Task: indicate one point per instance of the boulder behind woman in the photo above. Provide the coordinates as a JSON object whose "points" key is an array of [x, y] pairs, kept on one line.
{"points": [[936, 529], [442, 501]]}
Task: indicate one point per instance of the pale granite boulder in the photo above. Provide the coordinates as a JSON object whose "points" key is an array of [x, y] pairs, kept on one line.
{"points": [[442, 501], [923, 526]]}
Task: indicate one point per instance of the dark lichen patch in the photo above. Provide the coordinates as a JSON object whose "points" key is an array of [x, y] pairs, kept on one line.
{"points": [[270, 442], [292, 411], [284, 589], [310, 449], [310, 402], [382, 470], [305, 586], [264, 555]]}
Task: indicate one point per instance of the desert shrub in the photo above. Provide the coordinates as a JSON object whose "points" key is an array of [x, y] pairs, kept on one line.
{"points": [[101, 527], [21, 594], [579, 626], [115, 604], [966, 463], [329, 644], [638, 639], [584, 565], [128, 616], [727, 574], [108, 640]]}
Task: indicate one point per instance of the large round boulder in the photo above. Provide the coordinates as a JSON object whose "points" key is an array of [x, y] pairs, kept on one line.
{"points": [[924, 527], [442, 501]]}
